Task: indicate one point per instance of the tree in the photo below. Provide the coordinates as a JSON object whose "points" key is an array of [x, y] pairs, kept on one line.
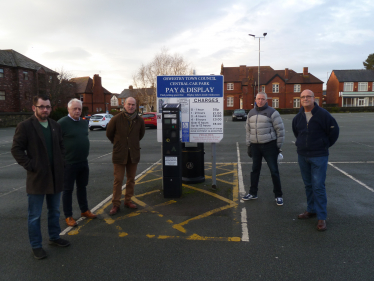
{"points": [[369, 63], [145, 79], [61, 90]]}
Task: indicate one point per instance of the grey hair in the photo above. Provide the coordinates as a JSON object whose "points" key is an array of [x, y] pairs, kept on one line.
{"points": [[74, 100], [262, 93]]}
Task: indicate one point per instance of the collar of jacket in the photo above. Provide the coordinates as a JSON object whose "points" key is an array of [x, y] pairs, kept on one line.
{"points": [[314, 110], [262, 108]]}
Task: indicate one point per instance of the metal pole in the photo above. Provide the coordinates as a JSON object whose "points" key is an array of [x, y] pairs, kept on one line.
{"points": [[214, 166], [259, 49]]}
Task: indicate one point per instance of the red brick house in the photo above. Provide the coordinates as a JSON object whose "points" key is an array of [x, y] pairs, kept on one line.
{"points": [[354, 87], [22, 78], [283, 87], [93, 95]]}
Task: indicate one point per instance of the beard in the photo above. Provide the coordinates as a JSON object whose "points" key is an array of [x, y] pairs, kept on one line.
{"points": [[41, 116]]}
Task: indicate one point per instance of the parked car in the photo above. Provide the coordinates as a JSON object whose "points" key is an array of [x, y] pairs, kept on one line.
{"points": [[99, 120], [87, 117], [239, 114], [150, 119]]}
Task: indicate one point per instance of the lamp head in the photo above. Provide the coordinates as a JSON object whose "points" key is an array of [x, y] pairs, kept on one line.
{"points": [[251, 35], [265, 34]]}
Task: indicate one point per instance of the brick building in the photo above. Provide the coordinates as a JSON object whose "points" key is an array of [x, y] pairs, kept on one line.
{"points": [[20, 79], [145, 98], [94, 96], [283, 87], [351, 88]]}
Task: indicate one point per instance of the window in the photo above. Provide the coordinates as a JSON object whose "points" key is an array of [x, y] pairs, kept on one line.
{"points": [[362, 86], [263, 88], [230, 102], [361, 102], [296, 103], [348, 86], [25, 75], [316, 100], [1, 72], [275, 103], [81, 98], [297, 88], [2, 95], [122, 101], [230, 86], [114, 101], [275, 88], [50, 79]]}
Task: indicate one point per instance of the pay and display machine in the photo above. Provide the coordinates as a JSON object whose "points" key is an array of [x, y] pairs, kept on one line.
{"points": [[171, 150]]}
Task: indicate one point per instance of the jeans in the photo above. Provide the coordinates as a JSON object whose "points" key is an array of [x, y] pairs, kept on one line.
{"points": [[75, 173], [34, 214], [313, 172], [269, 151]]}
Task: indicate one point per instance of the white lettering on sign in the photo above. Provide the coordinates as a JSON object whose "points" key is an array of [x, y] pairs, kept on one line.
{"points": [[171, 161]]}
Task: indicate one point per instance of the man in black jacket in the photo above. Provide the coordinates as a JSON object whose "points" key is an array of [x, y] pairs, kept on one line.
{"points": [[37, 147], [315, 131]]}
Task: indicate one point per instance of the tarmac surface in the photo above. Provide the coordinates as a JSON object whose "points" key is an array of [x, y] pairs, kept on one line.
{"points": [[206, 234]]}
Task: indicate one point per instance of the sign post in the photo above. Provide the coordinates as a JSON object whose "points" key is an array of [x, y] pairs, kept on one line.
{"points": [[201, 100]]}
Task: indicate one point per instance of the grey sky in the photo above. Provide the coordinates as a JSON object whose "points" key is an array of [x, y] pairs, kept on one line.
{"points": [[113, 38]]}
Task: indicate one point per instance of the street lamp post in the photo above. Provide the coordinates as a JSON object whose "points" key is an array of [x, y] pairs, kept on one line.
{"points": [[259, 48]]}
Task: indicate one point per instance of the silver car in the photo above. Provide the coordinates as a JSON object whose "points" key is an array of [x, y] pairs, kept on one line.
{"points": [[99, 120]]}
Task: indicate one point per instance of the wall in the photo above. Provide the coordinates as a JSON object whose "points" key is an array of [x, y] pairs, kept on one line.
{"points": [[11, 119]]}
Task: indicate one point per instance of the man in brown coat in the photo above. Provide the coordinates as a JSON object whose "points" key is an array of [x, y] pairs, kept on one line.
{"points": [[125, 130], [37, 146]]}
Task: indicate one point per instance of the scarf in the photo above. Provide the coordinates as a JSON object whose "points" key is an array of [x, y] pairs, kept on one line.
{"points": [[130, 117]]}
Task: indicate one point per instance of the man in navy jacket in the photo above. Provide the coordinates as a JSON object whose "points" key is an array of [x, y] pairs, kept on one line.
{"points": [[315, 131]]}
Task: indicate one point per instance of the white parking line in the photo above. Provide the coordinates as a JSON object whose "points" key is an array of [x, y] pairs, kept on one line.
{"points": [[351, 177], [102, 203], [362, 144], [14, 190], [245, 236]]}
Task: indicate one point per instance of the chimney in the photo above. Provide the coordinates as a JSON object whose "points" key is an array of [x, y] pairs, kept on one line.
{"points": [[130, 87], [97, 80], [286, 74], [242, 71], [305, 71]]}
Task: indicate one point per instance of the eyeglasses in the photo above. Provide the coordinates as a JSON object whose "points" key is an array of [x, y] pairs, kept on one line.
{"points": [[42, 107], [306, 97]]}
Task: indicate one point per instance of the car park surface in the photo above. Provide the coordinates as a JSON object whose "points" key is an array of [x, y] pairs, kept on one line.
{"points": [[99, 120], [273, 244]]}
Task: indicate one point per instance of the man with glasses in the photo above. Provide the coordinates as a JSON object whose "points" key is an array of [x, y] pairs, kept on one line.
{"points": [[77, 146], [264, 138], [37, 146], [315, 131]]}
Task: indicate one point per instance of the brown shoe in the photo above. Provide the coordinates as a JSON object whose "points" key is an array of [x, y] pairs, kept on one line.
{"points": [[130, 205], [306, 215], [88, 214], [321, 226], [70, 221], [114, 210]]}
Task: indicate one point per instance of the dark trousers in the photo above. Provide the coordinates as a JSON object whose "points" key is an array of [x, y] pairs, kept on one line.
{"points": [[75, 173], [269, 151]]}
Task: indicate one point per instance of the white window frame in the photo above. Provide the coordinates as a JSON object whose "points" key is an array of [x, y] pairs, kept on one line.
{"points": [[114, 101], [275, 87], [348, 87], [25, 75], [81, 98], [263, 88], [297, 88], [296, 102], [230, 86], [316, 100], [361, 102], [2, 95], [275, 103], [230, 102], [362, 86]]}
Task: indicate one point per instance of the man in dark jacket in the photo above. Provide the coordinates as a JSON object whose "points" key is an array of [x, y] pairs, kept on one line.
{"points": [[125, 130], [315, 131], [37, 146], [77, 146]]}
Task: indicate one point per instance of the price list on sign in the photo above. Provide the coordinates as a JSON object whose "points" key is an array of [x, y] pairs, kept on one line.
{"points": [[201, 99]]}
